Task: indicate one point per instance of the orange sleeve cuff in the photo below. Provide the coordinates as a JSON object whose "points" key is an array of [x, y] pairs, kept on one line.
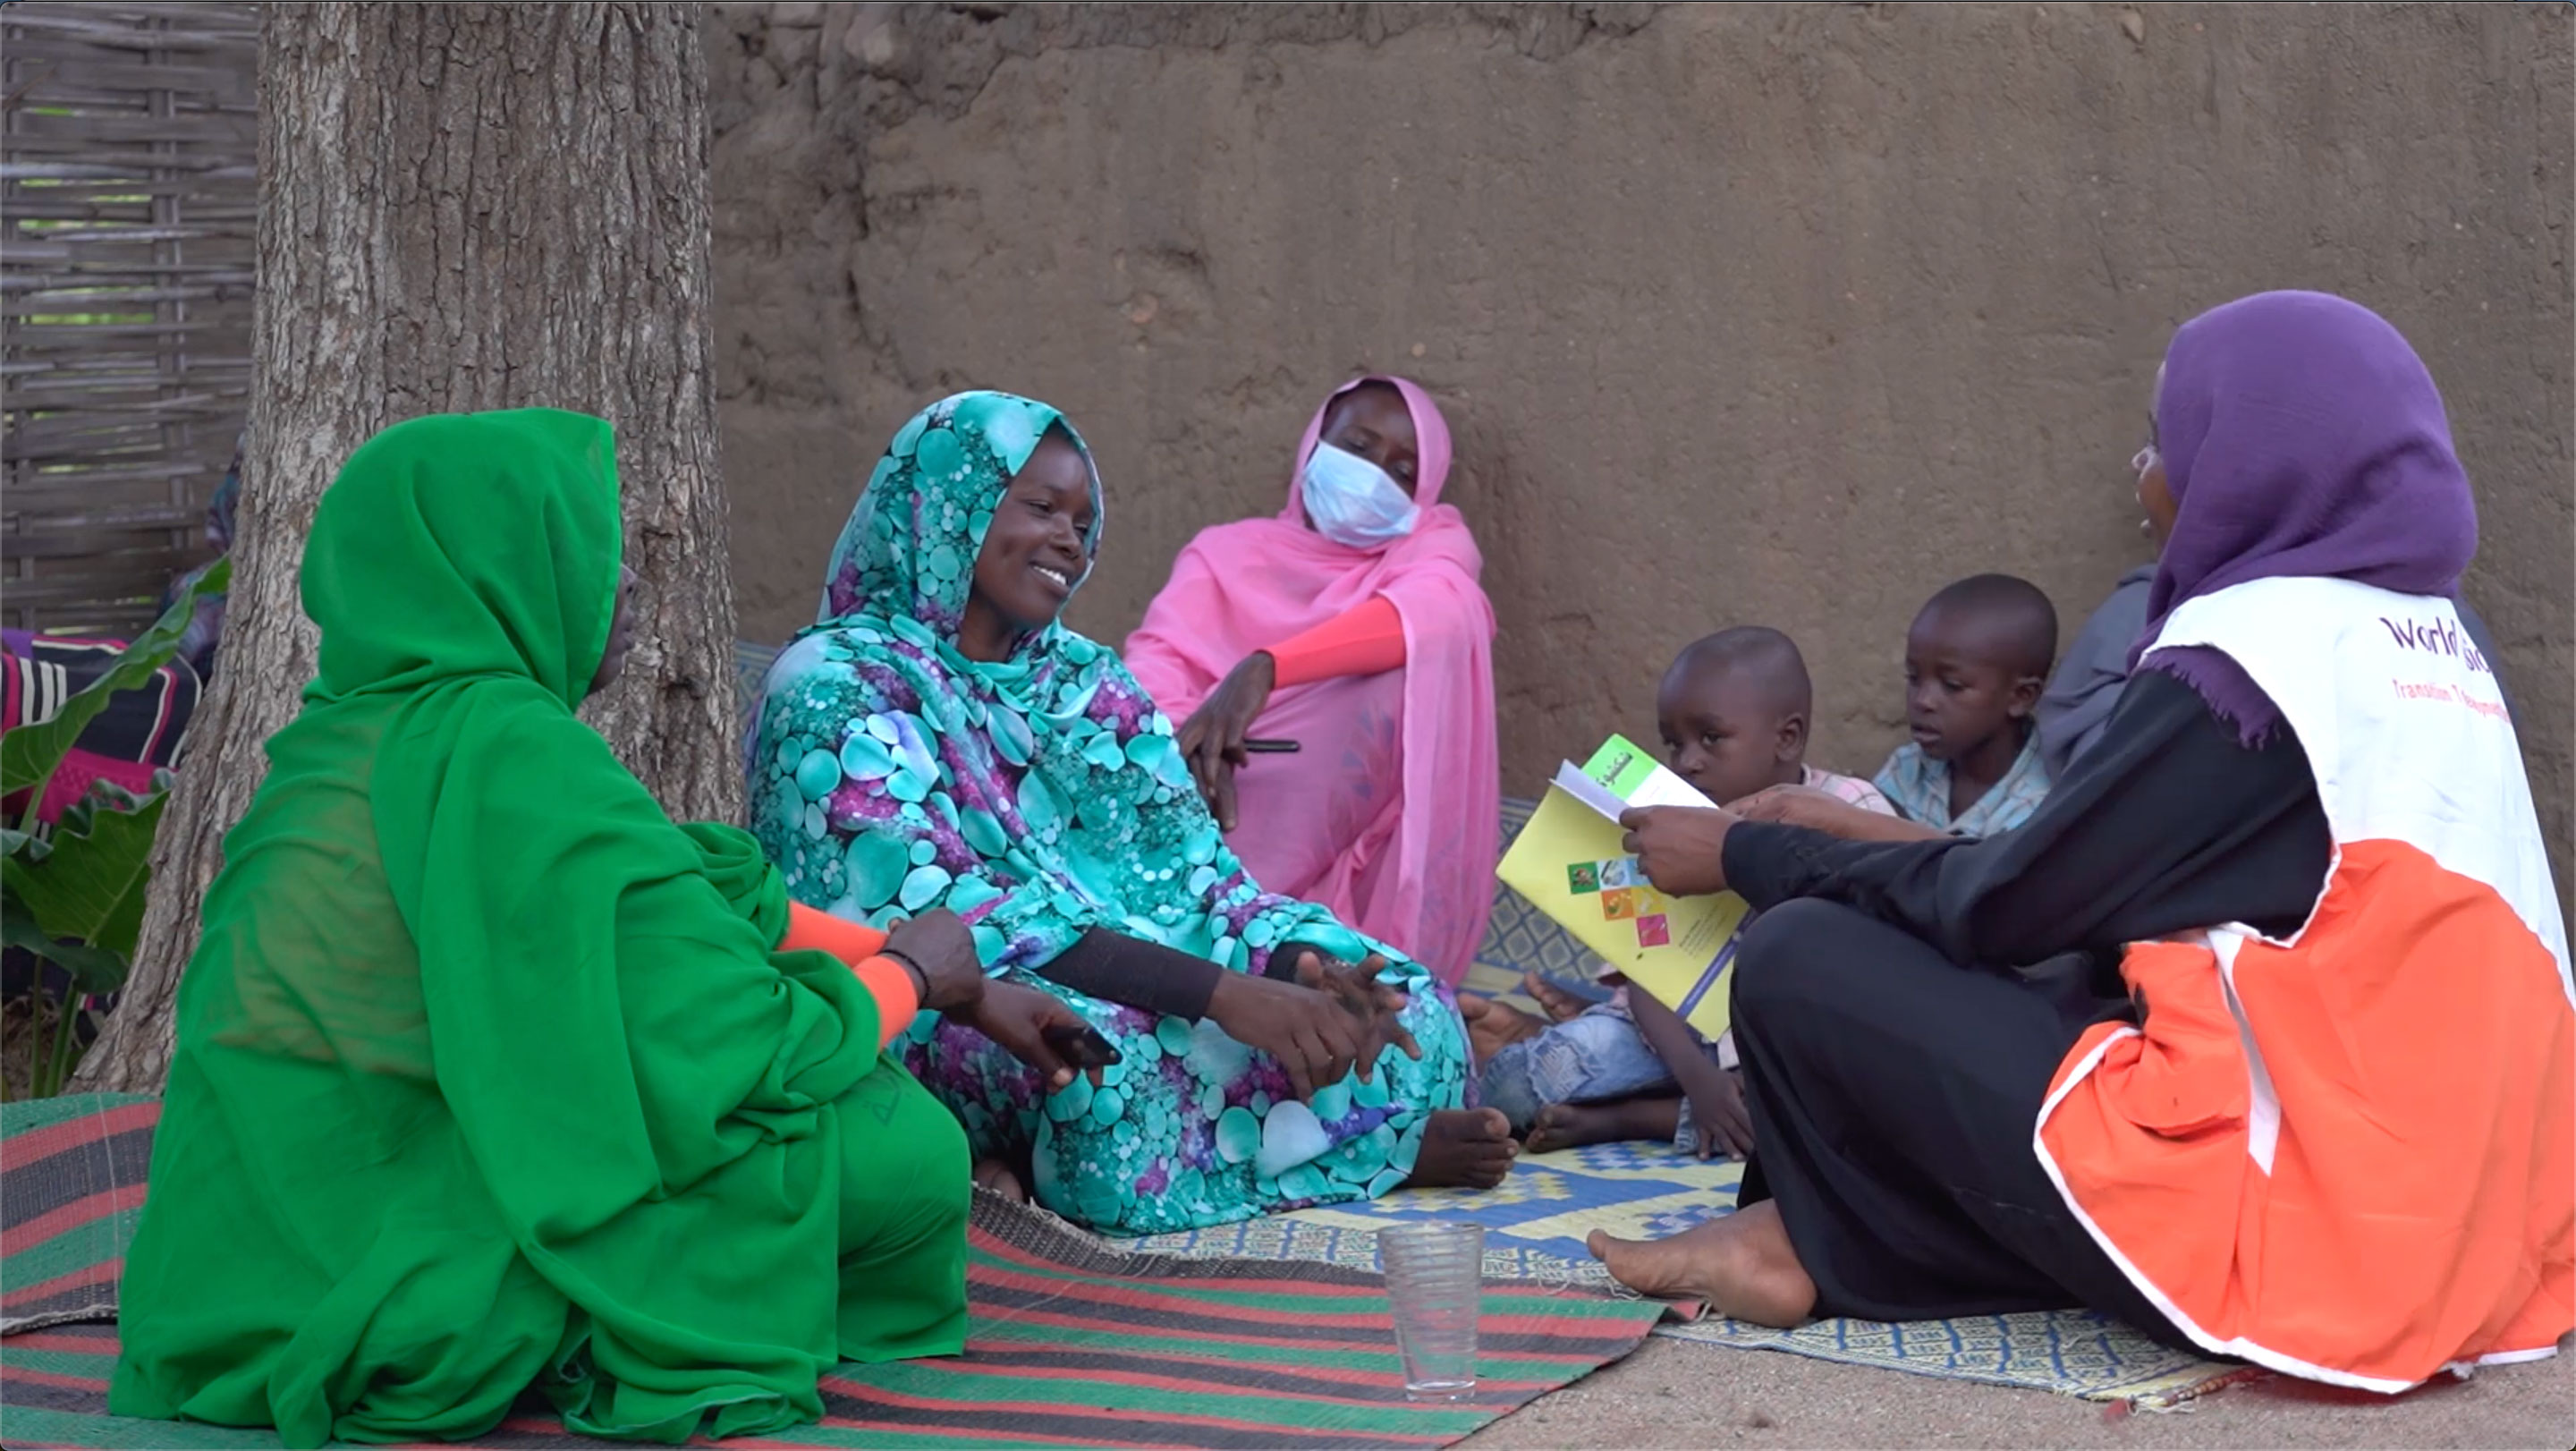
{"points": [[1366, 639], [886, 980], [897, 1002], [809, 930]]}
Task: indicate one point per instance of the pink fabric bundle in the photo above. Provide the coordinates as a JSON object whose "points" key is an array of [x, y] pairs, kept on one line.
{"points": [[1388, 813]]}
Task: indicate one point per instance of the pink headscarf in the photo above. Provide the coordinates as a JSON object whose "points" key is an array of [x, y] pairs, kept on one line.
{"points": [[1244, 586]]}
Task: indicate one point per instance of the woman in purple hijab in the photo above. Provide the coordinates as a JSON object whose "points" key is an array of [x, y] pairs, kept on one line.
{"points": [[2085, 688], [1903, 1009]]}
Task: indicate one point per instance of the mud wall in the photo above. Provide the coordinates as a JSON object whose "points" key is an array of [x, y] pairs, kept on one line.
{"points": [[1741, 313]]}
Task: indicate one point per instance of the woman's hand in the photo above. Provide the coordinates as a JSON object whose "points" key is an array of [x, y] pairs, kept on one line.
{"points": [[1681, 849], [1823, 811], [1374, 1004], [1211, 739], [1312, 1035], [1018, 1018], [938, 947]]}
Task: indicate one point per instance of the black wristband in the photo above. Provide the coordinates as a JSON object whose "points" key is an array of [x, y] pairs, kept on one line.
{"points": [[920, 979]]}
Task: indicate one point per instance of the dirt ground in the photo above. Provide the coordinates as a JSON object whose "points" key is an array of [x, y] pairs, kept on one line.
{"points": [[1674, 1393]]}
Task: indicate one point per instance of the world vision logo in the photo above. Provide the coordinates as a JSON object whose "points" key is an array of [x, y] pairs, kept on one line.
{"points": [[2437, 638]]}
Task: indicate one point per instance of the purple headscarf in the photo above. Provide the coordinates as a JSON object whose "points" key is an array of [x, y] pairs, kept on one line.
{"points": [[2300, 436]]}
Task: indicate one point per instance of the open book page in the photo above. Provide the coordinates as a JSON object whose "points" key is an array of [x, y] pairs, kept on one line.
{"points": [[1570, 862]]}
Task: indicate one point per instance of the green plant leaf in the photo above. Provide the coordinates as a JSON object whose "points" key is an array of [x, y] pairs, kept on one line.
{"points": [[89, 886], [29, 754], [93, 969]]}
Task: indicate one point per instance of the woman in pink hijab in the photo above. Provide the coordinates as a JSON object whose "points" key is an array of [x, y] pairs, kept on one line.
{"points": [[1353, 627]]}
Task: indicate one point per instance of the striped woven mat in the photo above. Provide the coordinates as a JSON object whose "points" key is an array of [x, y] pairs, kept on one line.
{"points": [[1072, 1342]]}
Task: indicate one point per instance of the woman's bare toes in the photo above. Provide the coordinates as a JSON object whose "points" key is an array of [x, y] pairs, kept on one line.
{"points": [[1742, 1265]]}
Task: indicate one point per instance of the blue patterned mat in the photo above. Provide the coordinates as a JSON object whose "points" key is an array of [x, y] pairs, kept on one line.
{"points": [[1535, 1221]]}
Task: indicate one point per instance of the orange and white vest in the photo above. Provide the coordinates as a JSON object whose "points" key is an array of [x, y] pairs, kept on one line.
{"points": [[2350, 1154]]}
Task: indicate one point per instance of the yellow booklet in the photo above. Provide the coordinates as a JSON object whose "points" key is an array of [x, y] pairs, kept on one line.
{"points": [[1569, 863]]}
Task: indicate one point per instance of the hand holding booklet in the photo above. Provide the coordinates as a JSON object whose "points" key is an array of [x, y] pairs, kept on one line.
{"points": [[1570, 863]]}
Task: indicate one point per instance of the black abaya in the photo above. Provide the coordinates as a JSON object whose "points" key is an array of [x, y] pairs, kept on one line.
{"points": [[1901, 1007]]}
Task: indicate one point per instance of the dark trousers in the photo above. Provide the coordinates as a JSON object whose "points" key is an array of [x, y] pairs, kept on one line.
{"points": [[1894, 1098]]}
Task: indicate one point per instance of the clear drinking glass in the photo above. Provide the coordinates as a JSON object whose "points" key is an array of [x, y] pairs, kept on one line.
{"points": [[1435, 1275]]}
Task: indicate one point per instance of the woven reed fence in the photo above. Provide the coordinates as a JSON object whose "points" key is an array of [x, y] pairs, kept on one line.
{"points": [[127, 238]]}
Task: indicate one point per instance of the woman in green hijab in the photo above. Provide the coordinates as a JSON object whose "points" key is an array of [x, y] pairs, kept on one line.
{"points": [[489, 1077]]}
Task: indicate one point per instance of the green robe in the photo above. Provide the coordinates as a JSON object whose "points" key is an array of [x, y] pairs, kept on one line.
{"points": [[487, 1075]]}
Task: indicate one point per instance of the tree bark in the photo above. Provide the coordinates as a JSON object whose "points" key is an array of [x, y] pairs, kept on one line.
{"points": [[465, 207]]}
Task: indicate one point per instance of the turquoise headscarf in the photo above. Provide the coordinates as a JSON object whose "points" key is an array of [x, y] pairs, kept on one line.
{"points": [[1038, 797], [909, 548]]}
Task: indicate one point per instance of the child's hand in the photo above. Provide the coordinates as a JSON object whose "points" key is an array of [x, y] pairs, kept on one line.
{"points": [[1719, 1119], [1823, 811]]}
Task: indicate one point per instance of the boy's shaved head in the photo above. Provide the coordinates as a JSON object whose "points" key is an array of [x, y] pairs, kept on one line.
{"points": [[2010, 615], [1733, 712], [1975, 663], [1761, 655]]}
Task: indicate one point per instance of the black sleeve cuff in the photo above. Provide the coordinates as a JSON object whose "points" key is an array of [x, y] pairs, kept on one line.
{"points": [[1117, 968], [1769, 862]]}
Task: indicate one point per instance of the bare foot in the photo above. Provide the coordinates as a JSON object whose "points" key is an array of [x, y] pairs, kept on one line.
{"points": [[1559, 1003], [1572, 1125], [1464, 1148], [1743, 1265], [996, 1175], [1493, 1026]]}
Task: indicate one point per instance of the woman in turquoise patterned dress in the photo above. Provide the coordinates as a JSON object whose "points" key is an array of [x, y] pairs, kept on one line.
{"points": [[938, 739]]}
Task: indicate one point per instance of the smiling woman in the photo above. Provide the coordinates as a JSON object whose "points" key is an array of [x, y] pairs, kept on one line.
{"points": [[939, 740], [1036, 550]]}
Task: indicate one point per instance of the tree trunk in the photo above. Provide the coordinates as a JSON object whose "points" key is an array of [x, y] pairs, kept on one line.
{"points": [[465, 207]]}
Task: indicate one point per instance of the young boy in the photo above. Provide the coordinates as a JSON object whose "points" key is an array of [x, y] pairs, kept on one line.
{"points": [[1975, 664], [1733, 710]]}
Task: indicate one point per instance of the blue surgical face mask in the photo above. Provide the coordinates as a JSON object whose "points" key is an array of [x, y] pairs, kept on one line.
{"points": [[1353, 502]]}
